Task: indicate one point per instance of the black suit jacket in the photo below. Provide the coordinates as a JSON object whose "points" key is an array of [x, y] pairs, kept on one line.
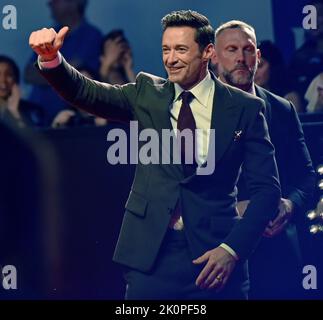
{"points": [[208, 202], [277, 260], [296, 173]]}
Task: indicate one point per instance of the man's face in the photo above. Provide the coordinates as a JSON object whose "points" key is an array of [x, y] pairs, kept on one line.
{"points": [[7, 80], [237, 57], [185, 64]]}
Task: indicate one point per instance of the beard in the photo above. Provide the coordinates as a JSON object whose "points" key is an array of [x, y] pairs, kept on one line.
{"points": [[244, 81]]}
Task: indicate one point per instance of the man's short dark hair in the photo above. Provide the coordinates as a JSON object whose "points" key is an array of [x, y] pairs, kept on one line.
{"points": [[13, 66], [189, 18]]}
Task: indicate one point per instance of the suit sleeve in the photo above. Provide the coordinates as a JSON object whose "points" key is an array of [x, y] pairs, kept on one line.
{"points": [[261, 176], [113, 102], [301, 180]]}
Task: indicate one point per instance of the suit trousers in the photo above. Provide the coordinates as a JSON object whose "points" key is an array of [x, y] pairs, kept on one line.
{"points": [[174, 274]]}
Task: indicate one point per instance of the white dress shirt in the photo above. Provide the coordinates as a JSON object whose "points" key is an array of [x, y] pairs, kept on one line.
{"points": [[201, 107]]}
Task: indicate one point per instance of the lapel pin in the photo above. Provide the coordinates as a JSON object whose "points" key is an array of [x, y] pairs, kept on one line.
{"points": [[237, 135]]}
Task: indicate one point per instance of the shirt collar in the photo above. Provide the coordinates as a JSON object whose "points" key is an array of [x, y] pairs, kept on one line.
{"points": [[201, 91]]}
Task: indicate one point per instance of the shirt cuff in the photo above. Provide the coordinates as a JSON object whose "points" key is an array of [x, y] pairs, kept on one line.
{"points": [[50, 64], [230, 250]]}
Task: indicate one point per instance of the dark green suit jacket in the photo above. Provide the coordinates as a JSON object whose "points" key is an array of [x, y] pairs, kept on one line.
{"points": [[208, 201]]}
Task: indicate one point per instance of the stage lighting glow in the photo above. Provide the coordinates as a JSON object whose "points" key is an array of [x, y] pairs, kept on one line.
{"points": [[315, 228], [311, 215]]}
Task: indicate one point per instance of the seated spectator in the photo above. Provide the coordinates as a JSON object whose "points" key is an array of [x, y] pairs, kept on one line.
{"points": [[69, 13], [116, 59], [314, 95], [271, 69], [271, 73], [12, 107], [307, 61], [72, 117]]}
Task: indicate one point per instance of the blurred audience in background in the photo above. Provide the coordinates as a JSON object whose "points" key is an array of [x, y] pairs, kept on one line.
{"points": [[116, 59], [72, 117], [69, 13], [12, 107], [272, 74], [314, 95], [307, 61], [116, 67]]}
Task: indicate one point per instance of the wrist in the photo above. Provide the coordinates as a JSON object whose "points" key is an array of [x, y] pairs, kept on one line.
{"points": [[48, 58]]}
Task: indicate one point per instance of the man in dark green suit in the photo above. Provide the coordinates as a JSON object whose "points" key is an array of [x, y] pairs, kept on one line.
{"points": [[180, 237]]}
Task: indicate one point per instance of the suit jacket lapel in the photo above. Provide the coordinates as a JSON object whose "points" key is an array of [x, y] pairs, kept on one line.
{"points": [[159, 111], [159, 104], [261, 94], [225, 117]]}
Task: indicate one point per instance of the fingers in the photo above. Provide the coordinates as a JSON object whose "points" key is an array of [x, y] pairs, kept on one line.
{"points": [[46, 42], [279, 219], [213, 276], [42, 39], [275, 229], [219, 282], [267, 233], [203, 276], [116, 46], [215, 279], [202, 258], [279, 228], [59, 40], [217, 270]]}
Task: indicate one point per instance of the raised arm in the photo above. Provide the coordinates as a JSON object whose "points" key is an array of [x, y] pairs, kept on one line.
{"points": [[100, 99]]}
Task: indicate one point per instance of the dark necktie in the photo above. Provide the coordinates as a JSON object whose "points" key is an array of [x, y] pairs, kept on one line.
{"points": [[186, 121]]}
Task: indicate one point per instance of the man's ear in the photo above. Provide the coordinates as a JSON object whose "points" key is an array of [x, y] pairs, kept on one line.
{"points": [[208, 52], [258, 55], [214, 57]]}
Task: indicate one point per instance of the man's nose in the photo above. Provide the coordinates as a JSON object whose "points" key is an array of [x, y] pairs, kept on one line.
{"points": [[172, 57], [240, 58]]}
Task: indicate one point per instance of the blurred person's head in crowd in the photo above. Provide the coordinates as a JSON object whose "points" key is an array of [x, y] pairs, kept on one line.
{"points": [[270, 73], [66, 11], [9, 76], [12, 107], [116, 58], [236, 54], [314, 95], [72, 117]]}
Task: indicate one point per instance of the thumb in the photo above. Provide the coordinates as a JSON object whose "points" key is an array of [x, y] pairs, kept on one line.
{"points": [[202, 258], [60, 37]]}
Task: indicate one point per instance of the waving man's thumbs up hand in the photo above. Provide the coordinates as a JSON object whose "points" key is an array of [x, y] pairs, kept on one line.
{"points": [[47, 42]]}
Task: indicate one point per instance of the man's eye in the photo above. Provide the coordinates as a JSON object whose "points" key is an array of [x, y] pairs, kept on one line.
{"points": [[249, 49]]}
